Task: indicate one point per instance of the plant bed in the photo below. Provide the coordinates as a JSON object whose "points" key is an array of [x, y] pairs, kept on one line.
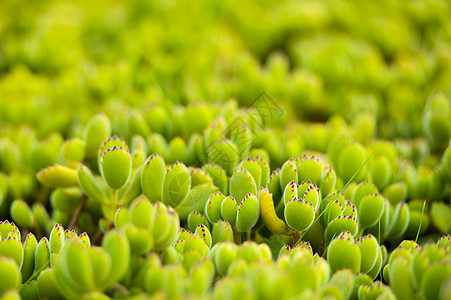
{"points": [[289, 150]]}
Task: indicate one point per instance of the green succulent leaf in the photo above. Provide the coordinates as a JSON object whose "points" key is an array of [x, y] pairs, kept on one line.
{"points": [[299, 215], [89, 185], [248, 213], [58, 176], [29, 248], [42, 255], [254, 168], [97, 130], [370, 210], [47, 285], [9, 275], [117, 246], [288, 173], [241, 184], [309, 168], [222, 232], [116, 167], [196, 200], [344, 253], [229, 210], [12, 248], [176, 184], [219, 176], [21, 213], [194, 219], [213, 207], [224, 153], [74, 150]]}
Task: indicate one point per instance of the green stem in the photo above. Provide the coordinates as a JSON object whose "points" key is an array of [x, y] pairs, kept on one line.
{"points": [[114, 203], [237, 237], [360, 233], [114, 195]]}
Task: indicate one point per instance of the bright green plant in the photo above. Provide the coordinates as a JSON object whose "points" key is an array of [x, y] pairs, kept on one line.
{"points": [[284, 160]]}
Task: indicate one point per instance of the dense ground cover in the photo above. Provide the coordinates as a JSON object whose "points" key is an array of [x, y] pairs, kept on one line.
{"points": [[171, 149]]}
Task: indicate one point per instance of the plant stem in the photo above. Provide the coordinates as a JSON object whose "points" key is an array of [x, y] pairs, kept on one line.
{"points": [[296, 237], [77, 213], [97, 237], [37, 230], [248, 235], [114, 200], [114, 194], [360, 232], [237, 237]]}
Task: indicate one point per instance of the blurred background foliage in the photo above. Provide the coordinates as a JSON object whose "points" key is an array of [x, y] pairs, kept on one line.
{"points": [[63, 61]]}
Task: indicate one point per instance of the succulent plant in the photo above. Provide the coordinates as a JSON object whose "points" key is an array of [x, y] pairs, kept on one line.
{"points": [[286, 160], [436, 120], [80, 269], [413, 269], [344, 253], [147, 226]]}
